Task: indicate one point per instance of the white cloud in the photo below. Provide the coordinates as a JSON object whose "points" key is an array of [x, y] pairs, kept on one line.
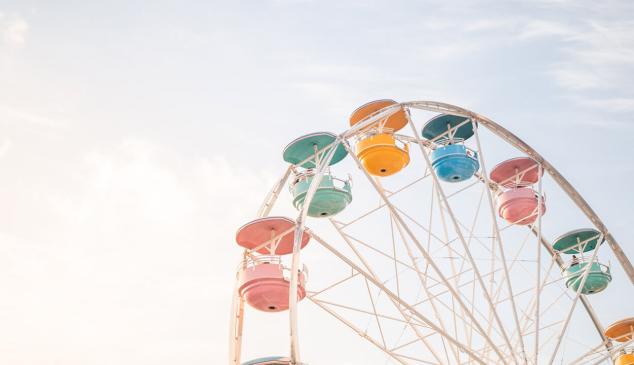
{"points": [[490, 24], [5, 146], [594, 56], [613, 104], [13, 30], [11, 114], [127, 236], [540, 28], [576, 79], [606, 44]]}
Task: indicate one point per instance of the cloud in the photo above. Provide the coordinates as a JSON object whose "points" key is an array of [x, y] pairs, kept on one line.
{"points": [[540, 28], [576, 78], [614, 104], [13, 30], [595, 56], [5, 146], [606, 44], [490, 24], [125, 235], [12, 114]]}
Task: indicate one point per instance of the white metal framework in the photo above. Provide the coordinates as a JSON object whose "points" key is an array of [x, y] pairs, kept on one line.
{"points": [[432, 275]]}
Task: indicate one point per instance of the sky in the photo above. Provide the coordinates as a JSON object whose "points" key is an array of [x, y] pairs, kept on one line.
{"points": [[136, 137]]}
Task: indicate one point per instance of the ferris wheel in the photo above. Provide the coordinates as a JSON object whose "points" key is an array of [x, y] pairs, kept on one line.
{"points": [[457, 244]]}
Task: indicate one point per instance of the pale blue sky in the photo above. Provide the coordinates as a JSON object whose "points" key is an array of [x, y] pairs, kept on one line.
{"points": [[136, 136]]}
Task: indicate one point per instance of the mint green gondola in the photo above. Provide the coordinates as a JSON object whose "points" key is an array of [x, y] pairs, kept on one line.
{"points": [[332, 195], [577, 241], [598, 279], [307, 146]]}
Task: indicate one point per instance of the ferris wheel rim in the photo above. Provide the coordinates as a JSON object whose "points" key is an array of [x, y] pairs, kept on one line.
{"points": [[508, 136], [515, 141]]}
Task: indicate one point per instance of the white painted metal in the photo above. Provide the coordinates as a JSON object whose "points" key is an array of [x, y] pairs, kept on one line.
{"points": [[547, 166], [295, 267], [467, 251], [411, 317], [538, 284], [498, 238], [396, 298], [584, 277], [425, 254]]}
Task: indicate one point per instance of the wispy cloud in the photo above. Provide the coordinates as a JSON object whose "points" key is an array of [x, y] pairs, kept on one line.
{"points": [[574, 78], [490, 24], [596, 55], [5, 146], [541, 28], [11, 114], [614, 104]]}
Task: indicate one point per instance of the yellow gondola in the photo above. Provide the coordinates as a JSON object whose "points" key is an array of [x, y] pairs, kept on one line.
{"points": [[378, 149]]}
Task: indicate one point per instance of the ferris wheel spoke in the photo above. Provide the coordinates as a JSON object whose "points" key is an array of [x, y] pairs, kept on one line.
{"points": [[456, 279], [271, 197], [359, 331], [529, 312], [382, 205], [424, 284], [378, 322], [584, 300], [443, 200], [498, 236], [333, 285], [471, 185], [409, 343], [403, 306], [421, 226], [415, 359], [386, 255], [398, 282], [440, 285], [532, 303], [396, 303], [511, 297], [604, 355], [462, 285], [583, 279], [447, 244], [371, 313], [421, 249]]}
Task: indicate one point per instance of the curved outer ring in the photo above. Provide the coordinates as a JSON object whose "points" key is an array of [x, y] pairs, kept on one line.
{"points": [[552, 171], [557, 176], [515, 141]]}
